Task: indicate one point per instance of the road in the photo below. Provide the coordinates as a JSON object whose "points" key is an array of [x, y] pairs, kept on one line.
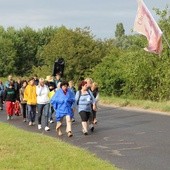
{"points": [[130, 139]]}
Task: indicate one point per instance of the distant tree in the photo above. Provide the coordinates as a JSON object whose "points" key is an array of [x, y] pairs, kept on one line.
{"points": [[120, 31], [7, 57], [79, 49]]}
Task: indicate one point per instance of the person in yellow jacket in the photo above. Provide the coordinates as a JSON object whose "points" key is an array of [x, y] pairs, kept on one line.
{"points": [[31, 98]]}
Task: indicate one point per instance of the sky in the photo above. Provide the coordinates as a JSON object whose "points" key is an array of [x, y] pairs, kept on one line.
{"points": [[100, 15]]}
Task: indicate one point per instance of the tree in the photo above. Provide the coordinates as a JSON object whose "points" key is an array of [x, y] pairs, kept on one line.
{"points": [[120, 31], [7, 57], [78, 48]]}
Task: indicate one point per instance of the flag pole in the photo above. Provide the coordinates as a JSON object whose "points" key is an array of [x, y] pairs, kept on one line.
{"points": [[166, 40]]}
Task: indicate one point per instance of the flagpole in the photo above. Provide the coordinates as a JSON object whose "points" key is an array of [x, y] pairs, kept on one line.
{"points": [[166, 40]]}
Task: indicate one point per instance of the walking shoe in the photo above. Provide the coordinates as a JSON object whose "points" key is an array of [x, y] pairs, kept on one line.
{"points": [[39, 127], [91, 128], [24, 120], [33, 123], [69, 134], [47, 128], [11, 117], [51, 121], [30, 124], [8, 117]]}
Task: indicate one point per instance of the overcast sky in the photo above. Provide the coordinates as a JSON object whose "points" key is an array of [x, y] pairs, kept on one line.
{"points": [[100, 15]]}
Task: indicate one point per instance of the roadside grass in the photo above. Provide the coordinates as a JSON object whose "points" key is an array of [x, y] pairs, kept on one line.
{"points": [[143, 104], [20, 149]]}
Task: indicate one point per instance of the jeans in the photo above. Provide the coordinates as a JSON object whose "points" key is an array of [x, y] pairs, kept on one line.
{"points": [[51, 111], [24, 109], [1, 102], [43, 108], [31, 113]]}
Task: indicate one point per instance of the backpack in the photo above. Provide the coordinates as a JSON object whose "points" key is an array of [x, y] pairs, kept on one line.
{"points": [[80, 95]]}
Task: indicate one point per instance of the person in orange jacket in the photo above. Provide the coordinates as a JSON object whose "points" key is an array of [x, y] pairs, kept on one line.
{"points": [[31, 98]]}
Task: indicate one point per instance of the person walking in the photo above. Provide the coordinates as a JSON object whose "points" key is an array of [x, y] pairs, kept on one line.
{"points": [[73, 89], [95, 92], [10, 98], [52, 86], [23, 102], [89, 85], [63, 101], [43, 103], [85, 102], [1, 95], [31, 98]]}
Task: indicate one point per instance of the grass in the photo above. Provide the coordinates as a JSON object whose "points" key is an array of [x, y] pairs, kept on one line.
{"points": [[143, 104], [25, 150]]}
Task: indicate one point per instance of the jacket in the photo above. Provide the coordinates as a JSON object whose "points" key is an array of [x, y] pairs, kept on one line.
{"points": [[30, 95]]}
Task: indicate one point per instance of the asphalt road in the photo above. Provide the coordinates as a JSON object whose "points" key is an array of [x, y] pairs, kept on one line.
{"points": [[132, 140]]}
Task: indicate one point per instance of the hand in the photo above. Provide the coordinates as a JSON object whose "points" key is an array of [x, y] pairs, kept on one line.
{"points": [[94, 107]]}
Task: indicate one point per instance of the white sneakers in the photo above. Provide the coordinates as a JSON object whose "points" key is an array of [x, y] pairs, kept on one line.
{"points": [[30, 124], [47, 128], [39, 127], [51, 121]]}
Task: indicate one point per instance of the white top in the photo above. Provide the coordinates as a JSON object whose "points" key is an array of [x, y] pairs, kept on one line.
{"points": [[42, 94]]}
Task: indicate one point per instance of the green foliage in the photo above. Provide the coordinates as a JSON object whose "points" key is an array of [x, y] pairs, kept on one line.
{"points": [[78, 48], [120, 31], [120, 65], [25, 150], [109, 75], [7, 56]]}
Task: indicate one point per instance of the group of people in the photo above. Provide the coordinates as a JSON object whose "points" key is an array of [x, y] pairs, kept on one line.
{"points": [[38, 97]]}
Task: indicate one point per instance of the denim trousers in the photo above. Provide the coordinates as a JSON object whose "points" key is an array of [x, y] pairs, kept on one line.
{"points": [[51, 111], [31, 112], [43, 108]]}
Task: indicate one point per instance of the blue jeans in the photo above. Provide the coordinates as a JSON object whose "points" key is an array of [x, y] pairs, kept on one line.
{"points": [[43, 108], [51, 111], [31, 112]]}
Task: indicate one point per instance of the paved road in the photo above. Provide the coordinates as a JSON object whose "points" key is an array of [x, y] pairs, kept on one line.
{"points": [[132, 140]]}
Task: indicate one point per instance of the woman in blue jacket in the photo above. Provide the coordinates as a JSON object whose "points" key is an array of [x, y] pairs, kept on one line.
{"points": [[63, 101]]}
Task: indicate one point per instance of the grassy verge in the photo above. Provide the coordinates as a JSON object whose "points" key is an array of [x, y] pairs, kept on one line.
{"points": [[24, 150], [143, 104]]}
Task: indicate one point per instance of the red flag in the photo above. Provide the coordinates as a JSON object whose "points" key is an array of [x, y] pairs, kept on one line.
{"points": [[147, 26]]}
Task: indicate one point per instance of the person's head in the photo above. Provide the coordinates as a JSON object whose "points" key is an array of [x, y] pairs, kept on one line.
{"points": [[94, 86], [10, 78], [18, 80], [11, 84], [89, 82], [71, 83], [24, 83], [31, 81], [35, 77], [58, 76], [64, 85], [83, 85], [41, 82]]}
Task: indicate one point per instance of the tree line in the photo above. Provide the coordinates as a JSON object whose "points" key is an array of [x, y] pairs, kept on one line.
{"points": [[119, 65]]}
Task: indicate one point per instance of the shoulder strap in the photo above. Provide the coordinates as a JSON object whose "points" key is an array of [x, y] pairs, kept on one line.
{"points": [[89, 92], [79, 97]]}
